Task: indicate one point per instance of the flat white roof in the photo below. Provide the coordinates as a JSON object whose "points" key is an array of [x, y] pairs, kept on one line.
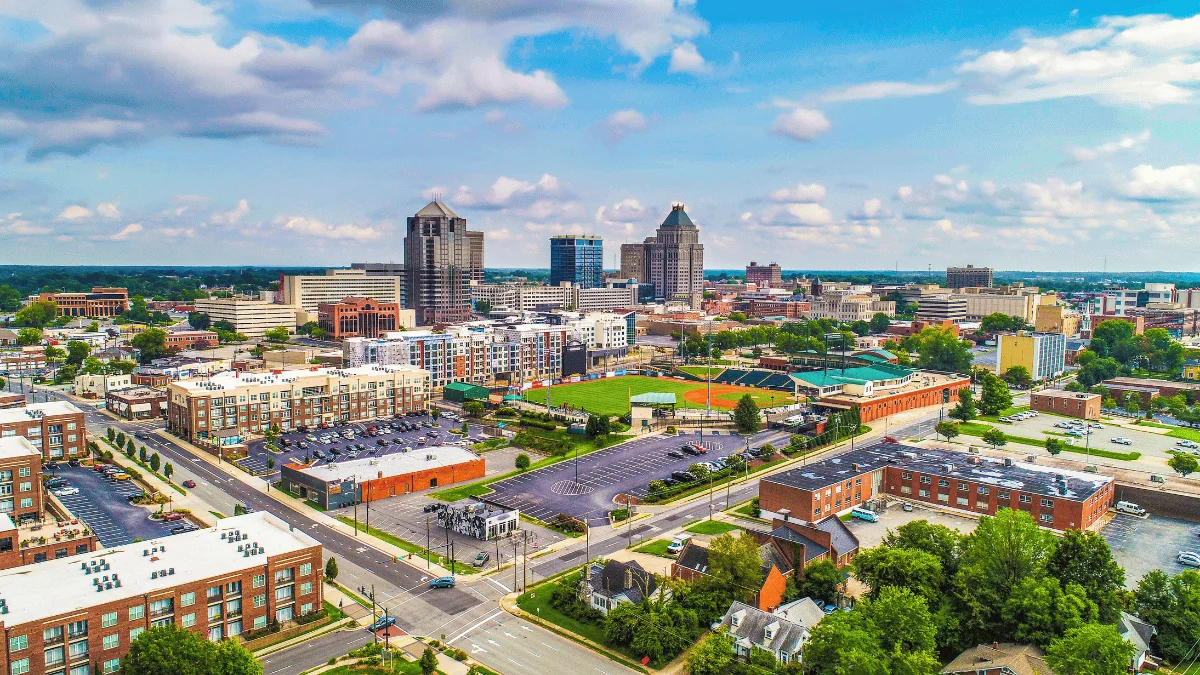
{"points": [[55, 587], [11, 415], [232, 379], [395, 464], [17, 446]]}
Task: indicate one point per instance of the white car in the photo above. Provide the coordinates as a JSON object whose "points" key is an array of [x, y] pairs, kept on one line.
{"points": [[1121, 440], [66, 492], [1187, 444], [1093, 425], [1189, 558]]}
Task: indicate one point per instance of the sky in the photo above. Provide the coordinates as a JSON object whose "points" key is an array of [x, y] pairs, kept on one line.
{"points": [[863, 135]]}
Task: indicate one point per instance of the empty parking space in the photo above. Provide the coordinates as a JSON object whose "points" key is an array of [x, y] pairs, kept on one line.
{"points": [[586, 488], [1141, 544], [103, 504]]}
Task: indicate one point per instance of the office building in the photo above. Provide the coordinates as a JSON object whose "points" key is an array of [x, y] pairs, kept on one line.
{"points": [[137, 403], [100, 302], [1023, 306], [672, 260], [1069, 403], [20, 479], [962, 277], [250, 316], [1118, 301], [224, 408], [577, 258], [80, 614], [532, 298], [191, 339], [56, 428], [849, 307], [1043, 354], [441, 258], [363, 317], [764, 275], [1056, 498], [309, 292], [93, 386], [938, 308], [346, 483], [1057, 319]]}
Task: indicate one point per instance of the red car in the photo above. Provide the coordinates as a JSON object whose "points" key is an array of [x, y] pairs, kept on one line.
{"points": [[189, 483], [890, 439], [171, 516]]}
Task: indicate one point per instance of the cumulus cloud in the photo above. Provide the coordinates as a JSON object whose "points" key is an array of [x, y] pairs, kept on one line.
{"points": [[1082, 154], [14, 224], [800, 193], [801, 124], [310, 227], [75, 212], [232, 216], [870, 91], [687, 59], [124, 234], [505, 192], [1169, 183], [622, 123], [623, 216], [108, 210]]}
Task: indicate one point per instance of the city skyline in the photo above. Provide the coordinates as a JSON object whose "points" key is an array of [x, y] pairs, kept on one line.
{"points": [[283, 132]]}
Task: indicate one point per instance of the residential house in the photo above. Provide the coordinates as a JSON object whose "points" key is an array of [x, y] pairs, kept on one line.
{"points": [[999, 658], [1138, 633], [609, 584], [783, 632]]}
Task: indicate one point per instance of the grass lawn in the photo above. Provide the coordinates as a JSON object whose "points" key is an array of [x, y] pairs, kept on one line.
{"points": [[976, 429], [747, 509], [480, 488], [713, 527], [537, 603], [657, 547], [699, 371], [1186, 434], [610, 396], [459, 568], [1154, 425]]}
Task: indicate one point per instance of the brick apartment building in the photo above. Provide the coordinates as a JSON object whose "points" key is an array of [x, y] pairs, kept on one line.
{"points": [[358, 317], [20, 479], [100, 302], [137, 403], [1147, 388], [1070, 403], [32, 528], [56, 428], [224, 407], [80, 614], [1057, 499], [191, 339]]}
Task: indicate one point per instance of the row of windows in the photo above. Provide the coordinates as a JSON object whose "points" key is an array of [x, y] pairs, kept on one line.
{"points": [[1001, 494]]}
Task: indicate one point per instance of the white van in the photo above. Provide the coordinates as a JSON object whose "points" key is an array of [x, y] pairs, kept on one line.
{"points": [[678, 543], [1130, 508]]}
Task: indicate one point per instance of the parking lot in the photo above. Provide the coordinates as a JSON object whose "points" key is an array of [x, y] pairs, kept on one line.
{"points": [[398, 440], [1150, 444], [1141, 544], [102, 504], [622, 469], [872, 534]]}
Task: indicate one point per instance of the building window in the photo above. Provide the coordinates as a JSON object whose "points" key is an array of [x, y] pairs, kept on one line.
{"points": [[233, 607], [260, 580], [54, 656], [306, 569], [926, 480], [1046, 518], [306, 588], [112, 666], [235, 628], [18, 643], [20, 667], [24, 472], [1047, 503], [924, 493], [108, 620], [133, 634], [1004, 494], [283, 575], [942, 482], [305, 609], [214, 593], [214, 633], [905, 475], [963, 501], [284, 593], [283, 614], [187, 599], [27, 503], [233, 588], [964, 486], [188, 620], [52, 634], [982, 490], [1025, 499], [214, 612], [906, 490], [260, 622], [111, 641]]}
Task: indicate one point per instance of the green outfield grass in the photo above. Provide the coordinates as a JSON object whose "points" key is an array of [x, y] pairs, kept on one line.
{"points": [[698, 371], [610, 396]]}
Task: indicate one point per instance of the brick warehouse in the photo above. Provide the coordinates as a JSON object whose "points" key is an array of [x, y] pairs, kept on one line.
{"points": [[56, 428], [361, 480], [1058, 499], [225, 581]]}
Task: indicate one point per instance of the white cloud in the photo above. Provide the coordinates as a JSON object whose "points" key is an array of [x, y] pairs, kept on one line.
{"points": [[15, 225], [870, 91], [108, 210], [687, 59], [75, 212], [800, 193], [310, 227], [801, 124], [177, 232], [1172, 182], [1081, 154], [125, 233], [232, 216], [623, 123], [501, 233], [623, 216], [871, 210]]}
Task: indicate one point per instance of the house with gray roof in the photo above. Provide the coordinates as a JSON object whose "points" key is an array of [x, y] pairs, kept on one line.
{"points": [[783, 632], [607, 585], [1138, 633]]}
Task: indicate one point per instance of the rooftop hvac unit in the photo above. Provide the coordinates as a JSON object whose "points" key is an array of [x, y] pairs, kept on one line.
{"points": [[947, 467], [153, 575], [1008, 461]]}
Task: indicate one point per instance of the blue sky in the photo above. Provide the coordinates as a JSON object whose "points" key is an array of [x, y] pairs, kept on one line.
{"points": [[859, 135]]}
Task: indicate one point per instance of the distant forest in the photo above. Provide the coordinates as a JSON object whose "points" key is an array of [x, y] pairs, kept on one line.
{"points": [[163, 283]]}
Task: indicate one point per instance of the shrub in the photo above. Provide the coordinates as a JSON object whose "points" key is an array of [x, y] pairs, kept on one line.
{"points": [[549, 446], [565, 600]]}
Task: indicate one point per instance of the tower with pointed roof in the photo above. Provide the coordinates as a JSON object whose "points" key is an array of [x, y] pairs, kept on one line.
{"points": [[441, 258], [672, 260]]}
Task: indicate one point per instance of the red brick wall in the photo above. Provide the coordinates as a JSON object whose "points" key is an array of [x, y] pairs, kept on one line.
{"points": [[1083, 408], [381, 488], [803, 504], [887, 405]]}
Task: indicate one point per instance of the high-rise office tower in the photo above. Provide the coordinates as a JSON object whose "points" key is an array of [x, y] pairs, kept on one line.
{"points": [[672, 260], [968, 277], [440, 259], [577, 258]]}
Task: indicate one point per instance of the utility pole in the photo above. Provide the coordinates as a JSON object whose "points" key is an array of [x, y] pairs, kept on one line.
{"points": [[355, 504], [629, 520], [515, 586], [525, 561], [427, 541], [497, 553], [374, 634]]}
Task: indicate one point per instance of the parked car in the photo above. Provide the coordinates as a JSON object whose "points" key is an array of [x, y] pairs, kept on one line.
{"points": [[52, 466], [172, 516], [186, 527], [430, 508], [382, 622], [66, 492], [141, 434], [442, 582], [1121, 440], [864, 514], [304, 445], [189, 483], [1191, 445], [74, 462], [481, 560], [683, 476], [1188, 558], [675, 453], [1130, 508], [120, 475], [678, 543]]}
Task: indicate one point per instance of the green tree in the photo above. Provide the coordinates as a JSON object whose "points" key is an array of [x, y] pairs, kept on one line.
{"points": [[1183, 464], [1171, 605], [27, 337], [1085, 559], [911, 569], [10, 298], [77, 351], [331, 568], [846, 643], [151, 344], [733, 562], [155, 462], [999, 322], [199, 320], [598, 425], [428, 662], [946, 428], [474, 408], [65, 374], [277, 334], [995, 438], [906, 629], [168, 471], [819, 581], [1092, 649], [941, 349], [111, 433], [37, 314], [171, 650], [120, 440], [229, 657], [938, 540], [130, 447], [1018, 376], [1054, 446], [143, 455], [995, 397], [860, 328], [270, 463], [435, 413], [880, 323], [483, 307], [1039, 610], [712, 656], [745, 416], [522, 462], [965, 410]]}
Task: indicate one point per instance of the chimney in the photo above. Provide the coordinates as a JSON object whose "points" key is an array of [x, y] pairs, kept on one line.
{"points": [[628, 578]]}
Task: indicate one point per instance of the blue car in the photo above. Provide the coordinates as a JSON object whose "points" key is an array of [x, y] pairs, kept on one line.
{"points": [[386, 621], [442, 582]]}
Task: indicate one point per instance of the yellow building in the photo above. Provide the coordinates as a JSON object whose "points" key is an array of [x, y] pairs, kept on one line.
{"points": [[1057, 319], [1191, 371], [1043, 354]]}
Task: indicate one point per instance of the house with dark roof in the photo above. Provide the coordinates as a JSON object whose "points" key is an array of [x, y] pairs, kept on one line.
{"points": [[999, 658], [607, 585], [782, 632], [1138, 633]]}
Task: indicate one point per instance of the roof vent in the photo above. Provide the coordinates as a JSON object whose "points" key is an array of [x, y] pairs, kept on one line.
{"points": [[171, 571], [116, 583], [154, 575]]}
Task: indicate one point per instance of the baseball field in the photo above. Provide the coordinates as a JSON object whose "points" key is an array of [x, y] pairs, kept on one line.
{"points": [[610, 396]]}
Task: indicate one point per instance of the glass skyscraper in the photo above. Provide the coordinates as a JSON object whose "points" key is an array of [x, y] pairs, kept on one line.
{"points": [[577, 258]]}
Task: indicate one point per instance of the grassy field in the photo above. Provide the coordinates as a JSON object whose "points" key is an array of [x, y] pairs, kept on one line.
{"points": [[657, 547], [712, 527], [977, 429], [610, 396], [699, 371], [1186, 434]]}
